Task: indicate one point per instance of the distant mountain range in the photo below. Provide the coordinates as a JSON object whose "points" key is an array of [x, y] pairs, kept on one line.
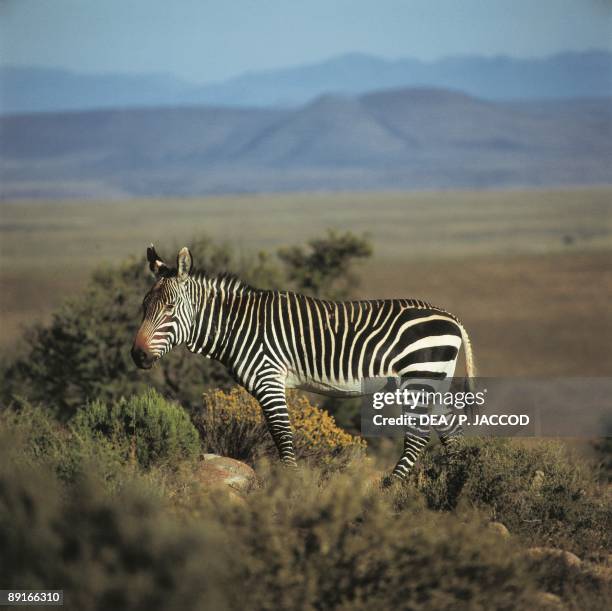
{"points": [[566, 75], [411, 138]]}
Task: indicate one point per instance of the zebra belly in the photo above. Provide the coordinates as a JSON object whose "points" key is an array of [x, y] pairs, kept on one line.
{"points": [[329, 388]]}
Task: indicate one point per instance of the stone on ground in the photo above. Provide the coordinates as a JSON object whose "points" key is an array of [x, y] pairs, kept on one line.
{"points": [[219, 471]]}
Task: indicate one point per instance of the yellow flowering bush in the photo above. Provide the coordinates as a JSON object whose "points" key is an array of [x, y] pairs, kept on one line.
{"points": [[232, 424]]}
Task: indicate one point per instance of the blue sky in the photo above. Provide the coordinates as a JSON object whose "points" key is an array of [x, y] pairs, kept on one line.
{"points": [[205, 41]]}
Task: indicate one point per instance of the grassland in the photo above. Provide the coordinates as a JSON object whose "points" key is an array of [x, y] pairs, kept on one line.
{"points": [[528, 271]]}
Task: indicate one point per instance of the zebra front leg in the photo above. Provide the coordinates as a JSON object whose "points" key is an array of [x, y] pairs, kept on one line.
{"points": [[413, 446], [273, 401]]}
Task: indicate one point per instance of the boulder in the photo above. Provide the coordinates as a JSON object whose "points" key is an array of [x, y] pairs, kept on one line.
{"points": [[219, 471], [548, 600], [567, 559], [538, 481], [500, 529]]}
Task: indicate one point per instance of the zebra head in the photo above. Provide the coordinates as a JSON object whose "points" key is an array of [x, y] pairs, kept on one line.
{"points": [[167, 310]]}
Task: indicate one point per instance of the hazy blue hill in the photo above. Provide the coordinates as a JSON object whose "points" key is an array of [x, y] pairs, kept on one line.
{"points": [[332, 130], [429, 118], [348, 74], [410, 138], [575, 74], [155, 134], [559, 76], [444, 122]]}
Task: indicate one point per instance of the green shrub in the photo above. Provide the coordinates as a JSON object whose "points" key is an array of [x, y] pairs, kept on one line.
{"points": [[147, 426], [36, 438], [37, 434], [105, 552], [536, 489]]}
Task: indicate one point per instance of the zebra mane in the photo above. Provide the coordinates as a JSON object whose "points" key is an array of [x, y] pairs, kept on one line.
{"points": [[225, 280], [230, 281]]}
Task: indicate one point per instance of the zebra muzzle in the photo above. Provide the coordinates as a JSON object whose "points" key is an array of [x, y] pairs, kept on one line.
{"points": [[141, 358]]}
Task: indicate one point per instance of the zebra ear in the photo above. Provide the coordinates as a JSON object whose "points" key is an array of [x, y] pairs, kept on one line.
{"points": [[156, 265], [184, 264]]}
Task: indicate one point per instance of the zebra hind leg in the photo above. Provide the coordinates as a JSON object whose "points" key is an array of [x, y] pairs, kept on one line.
{"points": [[413, 446], [273, 402], [451, 441]]}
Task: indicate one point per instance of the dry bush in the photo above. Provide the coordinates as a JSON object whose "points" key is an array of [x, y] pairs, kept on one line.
{"points": [[538, 490], [105, 551], [306, 539], [586, 586], [299, 542], [232, 424], [311, 542]]}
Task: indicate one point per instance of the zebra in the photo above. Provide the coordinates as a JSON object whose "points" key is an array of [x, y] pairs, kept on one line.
{"points": [[274, 340]]}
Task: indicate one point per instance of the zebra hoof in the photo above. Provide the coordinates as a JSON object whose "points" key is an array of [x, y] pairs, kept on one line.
{"points": [[451, 455], [390, 480]]}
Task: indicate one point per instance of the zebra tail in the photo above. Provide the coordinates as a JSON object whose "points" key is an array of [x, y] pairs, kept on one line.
{"points": [[470, 365]]}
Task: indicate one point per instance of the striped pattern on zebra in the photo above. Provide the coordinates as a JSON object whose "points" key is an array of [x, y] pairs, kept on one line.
{"points": [[274, 340]]}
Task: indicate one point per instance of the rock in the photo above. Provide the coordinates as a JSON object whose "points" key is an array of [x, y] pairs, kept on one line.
{"points": [[567, 559], [219, 471], [548, 600], [233, 497], [500, 529], [537, 481]]}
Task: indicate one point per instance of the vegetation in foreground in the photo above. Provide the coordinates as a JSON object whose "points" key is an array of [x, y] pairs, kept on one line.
{"points": [[109, 506]]}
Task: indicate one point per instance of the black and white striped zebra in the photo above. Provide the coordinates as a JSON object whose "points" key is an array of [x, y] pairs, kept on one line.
{"points": [[274, 340]]}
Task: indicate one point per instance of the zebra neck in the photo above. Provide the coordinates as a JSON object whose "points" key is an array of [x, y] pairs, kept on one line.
{"points": [[218, 301]]}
